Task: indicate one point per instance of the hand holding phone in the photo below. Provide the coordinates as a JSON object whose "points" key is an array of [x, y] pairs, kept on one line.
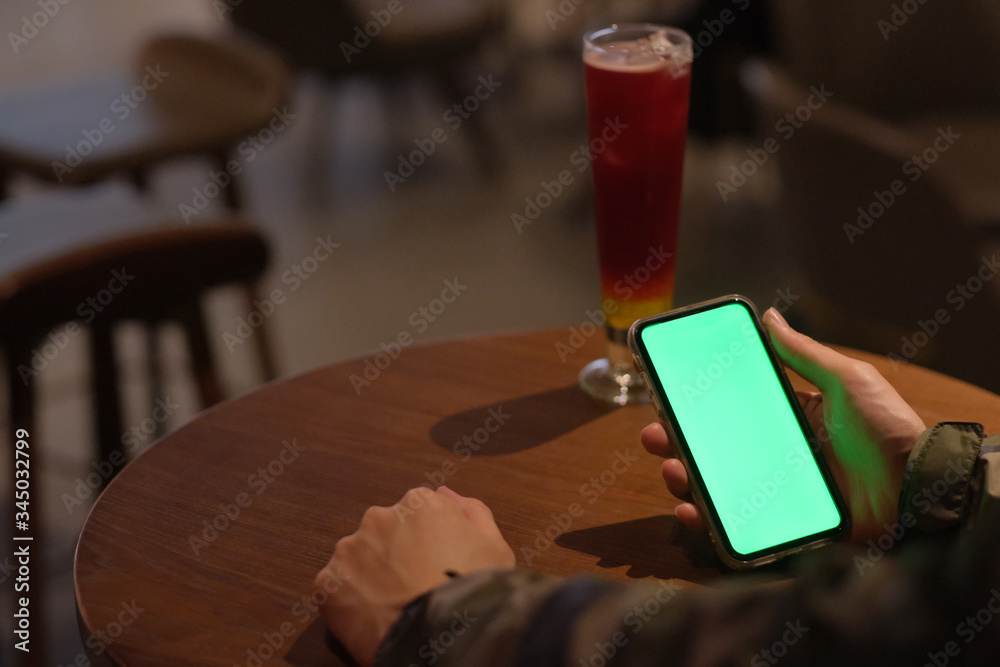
{"points": [[755, 467], [868, 418]]}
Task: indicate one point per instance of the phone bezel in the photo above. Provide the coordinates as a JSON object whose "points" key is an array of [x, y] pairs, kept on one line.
{"points": [[729, 555]]}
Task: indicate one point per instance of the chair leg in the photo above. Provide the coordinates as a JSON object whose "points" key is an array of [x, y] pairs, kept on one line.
{"points": [[140, 179], [22, 420], [196, 332], [154, 360], [233, 196], [4, 183], [22, 404], [483, 144], [106, 394], [234, 202], [262, 339]]}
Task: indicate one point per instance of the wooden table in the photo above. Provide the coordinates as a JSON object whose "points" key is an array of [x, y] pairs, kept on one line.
{"points": [[170, 579]]}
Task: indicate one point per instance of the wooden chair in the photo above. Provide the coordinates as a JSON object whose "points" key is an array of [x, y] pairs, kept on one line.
{"points": [[95, 259], [883, 267], [145, 265], [185, 96], [311, 34]]}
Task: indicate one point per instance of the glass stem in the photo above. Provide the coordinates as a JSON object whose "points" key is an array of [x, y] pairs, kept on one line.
{"points": [[620, 356]]}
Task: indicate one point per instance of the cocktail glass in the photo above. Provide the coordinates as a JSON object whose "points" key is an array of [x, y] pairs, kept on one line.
{"points": [[638, 80]]}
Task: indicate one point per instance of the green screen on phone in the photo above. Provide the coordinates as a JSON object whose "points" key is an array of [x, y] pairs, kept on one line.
{"points": [[742, 436]]}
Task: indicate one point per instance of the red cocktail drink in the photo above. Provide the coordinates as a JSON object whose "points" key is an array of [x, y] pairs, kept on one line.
{"points": [[638, 86], [637, 177]]}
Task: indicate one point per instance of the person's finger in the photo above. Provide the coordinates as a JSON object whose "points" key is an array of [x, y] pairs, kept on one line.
{"points": [[654, 438], [676, 477], [689, 515], [814, 361]]}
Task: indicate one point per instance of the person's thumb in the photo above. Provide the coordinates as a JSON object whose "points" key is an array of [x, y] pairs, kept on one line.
{"points": [[814, 361]]}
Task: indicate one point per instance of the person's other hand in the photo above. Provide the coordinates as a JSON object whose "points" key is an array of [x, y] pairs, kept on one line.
{"points": [[399, 553], [865, 428]]}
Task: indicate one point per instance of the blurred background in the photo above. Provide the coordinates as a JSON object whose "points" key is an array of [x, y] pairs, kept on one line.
{"points": [[841, 165]]}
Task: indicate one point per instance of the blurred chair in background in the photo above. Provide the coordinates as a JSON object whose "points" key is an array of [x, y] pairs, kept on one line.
{"points": [[919, 66], [100, 257], [337, 38], [891, 264], [186, 96], [103, 257]]}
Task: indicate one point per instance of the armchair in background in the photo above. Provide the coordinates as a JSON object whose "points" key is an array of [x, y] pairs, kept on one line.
{"points": [[890, 258]]}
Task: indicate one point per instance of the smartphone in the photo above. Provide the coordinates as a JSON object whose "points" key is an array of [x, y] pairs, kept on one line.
{"points": [[754, 463]]}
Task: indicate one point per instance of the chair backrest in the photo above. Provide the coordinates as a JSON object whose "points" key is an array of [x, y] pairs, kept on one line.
{"points": [[70, 243], [227, 84], [895, 58], [879, 241], [52, 293]]}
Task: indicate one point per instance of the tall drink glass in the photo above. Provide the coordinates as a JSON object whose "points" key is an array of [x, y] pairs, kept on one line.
{"points": [[638, 85]]}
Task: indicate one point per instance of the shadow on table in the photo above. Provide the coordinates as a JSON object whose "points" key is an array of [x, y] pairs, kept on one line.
{"points": [[518, 424], [657, 546]]}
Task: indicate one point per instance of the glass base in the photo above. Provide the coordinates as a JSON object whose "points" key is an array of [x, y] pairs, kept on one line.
{"points": [[613, 383]]}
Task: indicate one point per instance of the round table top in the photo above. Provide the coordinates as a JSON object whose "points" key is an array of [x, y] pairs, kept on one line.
{"points": [[203, 550], [184, 95]]}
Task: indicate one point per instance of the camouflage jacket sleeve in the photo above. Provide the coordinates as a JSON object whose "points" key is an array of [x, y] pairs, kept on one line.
{"points": [[924, 592]]}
